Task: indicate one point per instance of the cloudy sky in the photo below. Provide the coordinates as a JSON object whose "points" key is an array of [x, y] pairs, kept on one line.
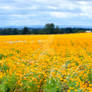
{"points": [[40, 12]]}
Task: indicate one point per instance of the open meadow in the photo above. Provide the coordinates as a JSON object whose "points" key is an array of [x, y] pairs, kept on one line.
{"points": [[46, 63]]}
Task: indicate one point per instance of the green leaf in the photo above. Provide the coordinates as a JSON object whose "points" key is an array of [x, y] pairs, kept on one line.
{"points": [[90, 76]]}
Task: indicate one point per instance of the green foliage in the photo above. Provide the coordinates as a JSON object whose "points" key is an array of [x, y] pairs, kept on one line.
{"points": [[49, 28], [90, 76], [25, 30], [5, 56], [29, 86], [2, 56], [52, 85], [8, 83], [18, 51], [4, 68]]}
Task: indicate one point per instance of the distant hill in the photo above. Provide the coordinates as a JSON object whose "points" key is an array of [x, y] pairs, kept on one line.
{"points": [[42, 26], [20, 27]]}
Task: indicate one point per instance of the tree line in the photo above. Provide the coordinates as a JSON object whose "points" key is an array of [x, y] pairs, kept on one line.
{"points": [[49, 28]]}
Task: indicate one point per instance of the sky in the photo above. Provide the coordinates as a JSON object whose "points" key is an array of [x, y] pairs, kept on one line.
{"points": [[40, 12]]}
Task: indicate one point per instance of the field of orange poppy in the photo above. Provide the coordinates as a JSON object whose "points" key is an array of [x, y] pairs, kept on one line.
{"points": [[46, 63]]}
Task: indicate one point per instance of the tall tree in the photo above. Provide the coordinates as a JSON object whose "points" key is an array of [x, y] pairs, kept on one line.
{"points": [[50, 27], [25, 30], [15, 31]]}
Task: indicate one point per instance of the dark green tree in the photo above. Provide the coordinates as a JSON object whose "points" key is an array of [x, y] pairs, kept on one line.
{"points": [[49, 28], [25, 30], [57, 30], [15, 31]]}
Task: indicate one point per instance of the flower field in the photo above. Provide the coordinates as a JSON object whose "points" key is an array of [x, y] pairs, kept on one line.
{"points": [[46, 63]]}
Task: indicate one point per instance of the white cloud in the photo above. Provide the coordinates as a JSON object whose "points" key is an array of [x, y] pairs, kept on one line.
{"points": [[5, 7], [52, 7], [58, 14], [44, 10], [86, 8], [63, 14]]}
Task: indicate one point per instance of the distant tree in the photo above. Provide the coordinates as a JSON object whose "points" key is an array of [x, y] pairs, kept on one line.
{"points": [[50, 28], [57, 30], [6, 31], [25, 30], [15, 31], [69, 30]]}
